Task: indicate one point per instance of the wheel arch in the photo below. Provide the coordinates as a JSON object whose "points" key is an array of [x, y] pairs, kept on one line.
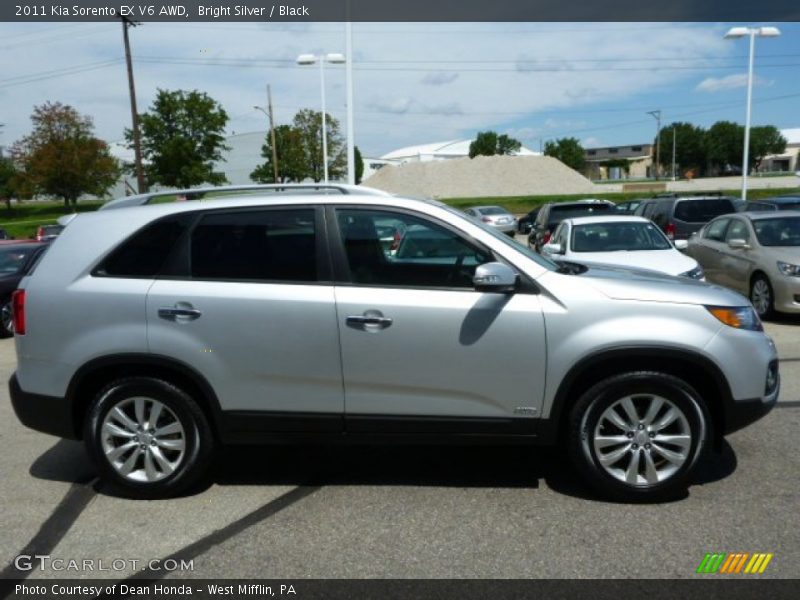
{"points": [[697, 370], [97, 373]]}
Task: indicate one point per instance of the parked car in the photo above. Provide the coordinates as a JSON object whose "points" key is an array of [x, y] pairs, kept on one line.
{"points": [[495, 216], [681, 216], [755, 253], [776, 203], [16, 258], [622, 241], [46, 233], [553, 213], [525, 222], [628, 207], [275, 319], [4, 235]]}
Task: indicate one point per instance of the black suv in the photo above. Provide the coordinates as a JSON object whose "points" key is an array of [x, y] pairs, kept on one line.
{"points": [[680, 216], [550, 215]]}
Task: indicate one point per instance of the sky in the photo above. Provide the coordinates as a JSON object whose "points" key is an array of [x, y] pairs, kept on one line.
{"points": [[414, 83]]}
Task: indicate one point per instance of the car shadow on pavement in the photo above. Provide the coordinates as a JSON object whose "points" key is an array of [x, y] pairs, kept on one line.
{"points": [[66, 461]]}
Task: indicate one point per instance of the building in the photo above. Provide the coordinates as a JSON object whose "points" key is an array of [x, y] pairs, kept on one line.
{"points": [[620, 162], [789, 160], [427, 152]]}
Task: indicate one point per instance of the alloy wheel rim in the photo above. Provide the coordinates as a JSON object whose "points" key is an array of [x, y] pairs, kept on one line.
{"points": [[642, 439], [7, 317], [760, 296], [142, 439]]}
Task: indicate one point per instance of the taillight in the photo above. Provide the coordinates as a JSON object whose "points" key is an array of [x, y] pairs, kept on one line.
{"points": [[39, 234], [486, 219], [546, 237], [18, 311], [670, 231]]}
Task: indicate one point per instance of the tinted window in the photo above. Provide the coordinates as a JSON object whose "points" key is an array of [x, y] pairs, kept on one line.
{"points": [[702, 210], [559, 212], [265, 245], [493, 210], [145, 253], [716, 230], [428, 255], [783, 231], [14, 258]]}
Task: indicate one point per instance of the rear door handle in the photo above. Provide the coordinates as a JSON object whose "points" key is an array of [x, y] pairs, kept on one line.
{"points": [[171, 313]]}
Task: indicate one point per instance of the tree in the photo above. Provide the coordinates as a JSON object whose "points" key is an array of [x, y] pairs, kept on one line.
{"points": [[568, 150], [309, 123], [690, 152], [723, 143], [182, 138], [291, 159], [764, 141], [488, 143], [8, 176], [61, 157], [359, 164]]}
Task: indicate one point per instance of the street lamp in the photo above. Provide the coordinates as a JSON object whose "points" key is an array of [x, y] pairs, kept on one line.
{"points": [[310, 59], [753, 32]]}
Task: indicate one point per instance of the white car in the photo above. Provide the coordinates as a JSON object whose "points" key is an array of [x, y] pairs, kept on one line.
{"points": [[623, 241]]}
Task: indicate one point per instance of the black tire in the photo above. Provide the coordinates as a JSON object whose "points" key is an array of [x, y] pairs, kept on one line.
{"points": [[765, 310], [197, 437], [584, 422], [6, 320]]}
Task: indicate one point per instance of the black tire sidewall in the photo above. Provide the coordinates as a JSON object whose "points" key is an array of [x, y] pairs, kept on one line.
{"points": [[595, 401], [4, 332], [199, 443]]}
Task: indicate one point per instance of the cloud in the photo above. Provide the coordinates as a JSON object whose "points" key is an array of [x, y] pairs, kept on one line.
{"points": [[592, 142], [440, 78], [729, 82]]}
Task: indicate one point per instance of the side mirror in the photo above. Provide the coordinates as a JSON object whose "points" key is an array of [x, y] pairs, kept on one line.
{"points": [[552, 249], [495, 277], [681, 244], [738, 244]]}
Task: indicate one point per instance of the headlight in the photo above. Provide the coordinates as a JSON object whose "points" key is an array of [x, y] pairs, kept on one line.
{"points": [[789, 269], [739, 317], [696, 273]]}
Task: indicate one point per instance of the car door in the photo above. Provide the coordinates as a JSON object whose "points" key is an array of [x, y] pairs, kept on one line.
{"points": [[248, 302], [708, 250], [422, 351], [736, 263]]}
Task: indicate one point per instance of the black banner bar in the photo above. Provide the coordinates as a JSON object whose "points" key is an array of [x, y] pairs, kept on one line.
{"points": [[267, 11]]}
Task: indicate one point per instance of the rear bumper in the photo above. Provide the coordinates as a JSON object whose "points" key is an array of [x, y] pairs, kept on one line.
{"points": [[48, 414]]}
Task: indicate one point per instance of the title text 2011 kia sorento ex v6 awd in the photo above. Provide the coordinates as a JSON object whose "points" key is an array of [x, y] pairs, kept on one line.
{"points": [[158, 332]]}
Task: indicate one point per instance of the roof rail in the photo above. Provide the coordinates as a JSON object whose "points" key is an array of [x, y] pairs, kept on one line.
{"points": [[281, 188]]}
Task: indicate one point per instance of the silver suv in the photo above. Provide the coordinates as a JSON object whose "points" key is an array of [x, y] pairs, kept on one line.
{"points": [[158, 332]]}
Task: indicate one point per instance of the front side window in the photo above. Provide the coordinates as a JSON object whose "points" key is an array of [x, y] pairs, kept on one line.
{"points": [[737, 231], [426, 255], [263, 245], [716, 230]]}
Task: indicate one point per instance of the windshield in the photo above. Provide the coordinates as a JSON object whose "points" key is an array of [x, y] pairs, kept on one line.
{"points": [[621, 235], [12, 258], [780, 231], [560, 212]]}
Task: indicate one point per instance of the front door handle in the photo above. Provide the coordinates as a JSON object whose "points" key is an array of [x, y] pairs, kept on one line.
{"points": [[172, 313], [371, 320]]}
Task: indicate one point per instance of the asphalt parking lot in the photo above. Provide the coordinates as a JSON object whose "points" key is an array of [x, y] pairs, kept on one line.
{"points": [[405, 512]]}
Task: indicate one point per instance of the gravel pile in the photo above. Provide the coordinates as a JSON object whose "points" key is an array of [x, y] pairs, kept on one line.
{"points": [[481, 176]]}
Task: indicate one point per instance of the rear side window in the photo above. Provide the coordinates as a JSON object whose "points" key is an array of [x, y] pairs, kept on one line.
{"points": [[701, 211], [263, 245], [144, 253]]}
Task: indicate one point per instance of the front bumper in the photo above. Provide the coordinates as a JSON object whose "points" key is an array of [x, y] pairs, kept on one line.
{"points": [[741, 413], [47, 414]]}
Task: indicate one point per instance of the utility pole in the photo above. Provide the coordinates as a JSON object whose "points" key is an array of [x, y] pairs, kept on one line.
{"points": [[137, 143], [674, 133], [272, 135], [656, 114]]}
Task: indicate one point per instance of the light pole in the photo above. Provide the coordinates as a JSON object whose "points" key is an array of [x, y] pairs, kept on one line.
{"points": [[656, 114], [674, 133], [310, 59], [735, 33]]}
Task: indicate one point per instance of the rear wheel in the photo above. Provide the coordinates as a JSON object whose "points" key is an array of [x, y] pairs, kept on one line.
{"points": [[637, 436], [761, 296], [148, 438], [6, 319]]}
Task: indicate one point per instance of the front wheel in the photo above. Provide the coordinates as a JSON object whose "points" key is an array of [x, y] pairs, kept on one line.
{"points": [[638, 436], [148, 438]]}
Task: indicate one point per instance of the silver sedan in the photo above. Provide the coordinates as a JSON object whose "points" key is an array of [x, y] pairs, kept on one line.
{"points": [[495, 216]]}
